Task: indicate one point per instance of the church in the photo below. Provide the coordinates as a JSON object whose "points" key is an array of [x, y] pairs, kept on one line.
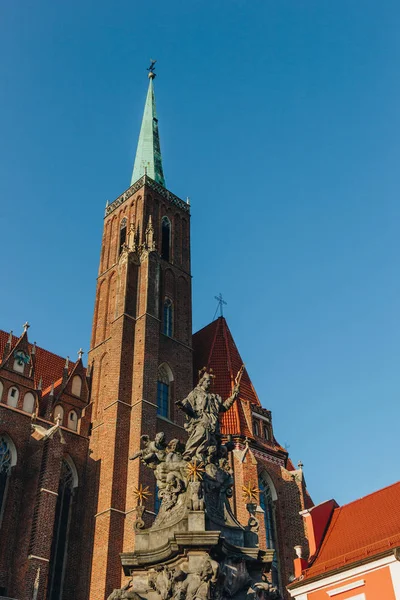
{"points": [[68, 491]]}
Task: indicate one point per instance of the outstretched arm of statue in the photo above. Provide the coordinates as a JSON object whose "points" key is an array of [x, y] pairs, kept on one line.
{"points": [[186, 406], [145, 439], [235, 393]]}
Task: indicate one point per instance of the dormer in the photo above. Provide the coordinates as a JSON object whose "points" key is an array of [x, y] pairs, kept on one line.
{"points": [[261, 423]]}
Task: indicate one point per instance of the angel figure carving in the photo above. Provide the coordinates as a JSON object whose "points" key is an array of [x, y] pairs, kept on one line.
{"points": [[153, 451]]}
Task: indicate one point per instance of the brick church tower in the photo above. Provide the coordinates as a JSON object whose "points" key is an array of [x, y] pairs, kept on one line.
{"points": [[67, 486], [141, 349]]}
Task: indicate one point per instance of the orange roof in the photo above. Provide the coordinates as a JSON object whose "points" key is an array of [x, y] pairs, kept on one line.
{"points": [[214, 348], [359, 530], [49, 366]]}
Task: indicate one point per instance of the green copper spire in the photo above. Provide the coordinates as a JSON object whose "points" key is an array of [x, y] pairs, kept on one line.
{"points": [[148, 154]]}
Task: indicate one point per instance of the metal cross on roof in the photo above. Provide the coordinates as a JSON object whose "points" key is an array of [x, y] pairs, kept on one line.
{"points": [[220, 305]]}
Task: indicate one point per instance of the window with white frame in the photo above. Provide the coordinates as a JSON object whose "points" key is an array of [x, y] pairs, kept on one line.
{"points": [[13, 395], [73, 420]]}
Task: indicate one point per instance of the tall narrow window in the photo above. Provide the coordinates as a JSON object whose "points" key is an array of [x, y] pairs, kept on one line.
{"points": [[267, 504], [5, 468], [163, 390], [60, 532], [168, 314], [165, 238], [122, 235], [157, 500], [256, 427]]}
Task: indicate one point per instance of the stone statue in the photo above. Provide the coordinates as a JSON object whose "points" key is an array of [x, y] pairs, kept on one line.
{"points": [[202, 409], [194, 496], [124, 593], [153, 452], [195, 549]]}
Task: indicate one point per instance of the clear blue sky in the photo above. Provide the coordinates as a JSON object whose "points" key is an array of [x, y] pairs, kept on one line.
{"points": [[280, 120]]}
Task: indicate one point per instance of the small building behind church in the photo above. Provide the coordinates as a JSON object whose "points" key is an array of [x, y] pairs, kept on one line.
{"points": [[354, 550]]}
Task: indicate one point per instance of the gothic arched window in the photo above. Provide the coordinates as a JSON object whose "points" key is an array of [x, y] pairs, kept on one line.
{"points": [[122, 234], [165, 238], [7, 460], [68, 480], [164, 380], [168, 315], [29, 402], [267, 504]]}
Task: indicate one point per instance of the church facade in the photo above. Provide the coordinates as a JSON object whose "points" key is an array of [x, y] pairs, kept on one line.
{"points": [[68, 489]]}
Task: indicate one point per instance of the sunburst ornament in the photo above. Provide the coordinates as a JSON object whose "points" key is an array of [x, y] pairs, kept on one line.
{"points": [[195, 470], [250, 492], [142, 493]]}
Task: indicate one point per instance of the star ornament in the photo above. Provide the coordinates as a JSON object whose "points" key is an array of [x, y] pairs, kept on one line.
{"points": [[250, 492], [195, 470], [142, 494]]}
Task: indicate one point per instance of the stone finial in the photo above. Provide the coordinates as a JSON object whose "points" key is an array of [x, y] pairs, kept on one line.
{"points": [[26, 326], [52, 389], [33, 351], [150, 244], [9, 341], [40, 384], [300, 465], [299, 551], [132, 237], [80, 353]]}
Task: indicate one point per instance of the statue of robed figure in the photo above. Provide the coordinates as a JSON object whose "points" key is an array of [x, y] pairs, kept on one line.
{"points": [[203, 409]]}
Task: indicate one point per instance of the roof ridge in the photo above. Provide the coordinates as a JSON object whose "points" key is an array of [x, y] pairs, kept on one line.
{"points": [[340, 557], [208, 325], [37, 347], [368, 495]]}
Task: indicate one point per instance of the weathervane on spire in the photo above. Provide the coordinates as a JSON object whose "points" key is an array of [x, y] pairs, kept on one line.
{"points": [[151, 69]]}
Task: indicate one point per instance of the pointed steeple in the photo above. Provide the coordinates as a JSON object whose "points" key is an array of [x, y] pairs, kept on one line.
{"points": [[148, 154]]}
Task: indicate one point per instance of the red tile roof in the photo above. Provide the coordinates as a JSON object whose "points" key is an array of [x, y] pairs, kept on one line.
{"points": [[49, 366], [359, 530], [215, 348]]}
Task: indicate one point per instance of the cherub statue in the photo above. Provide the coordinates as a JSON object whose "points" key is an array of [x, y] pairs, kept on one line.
{"points": [[153, 452]]}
